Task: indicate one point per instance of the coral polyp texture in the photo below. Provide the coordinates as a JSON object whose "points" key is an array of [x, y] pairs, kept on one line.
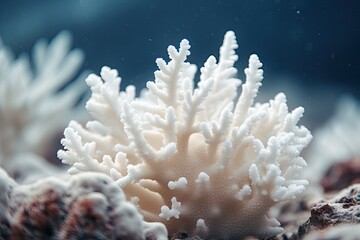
{"points": [[194, 156]]}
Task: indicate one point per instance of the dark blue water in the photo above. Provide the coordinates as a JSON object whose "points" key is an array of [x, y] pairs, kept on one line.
{"points": [[310, 49]]}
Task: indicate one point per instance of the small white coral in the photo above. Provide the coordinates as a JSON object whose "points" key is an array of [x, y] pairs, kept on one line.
{"points": [[35, 102], [197, 158], [337, 141]]}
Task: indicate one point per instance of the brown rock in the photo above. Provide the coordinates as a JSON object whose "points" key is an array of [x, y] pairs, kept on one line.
{"points": [[341, 175], [86, 206], [343, 208]]}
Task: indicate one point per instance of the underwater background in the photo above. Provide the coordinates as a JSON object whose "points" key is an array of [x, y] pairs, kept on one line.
{"points": [[310, 49], [83, 159]]}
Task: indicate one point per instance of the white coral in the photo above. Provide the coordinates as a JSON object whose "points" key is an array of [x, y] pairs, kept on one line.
{"points": [[337, 141], [34, 101], [197, 159]]}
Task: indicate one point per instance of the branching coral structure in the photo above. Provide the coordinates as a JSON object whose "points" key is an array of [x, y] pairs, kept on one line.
{"points": [[195, 157], [36, 99]]}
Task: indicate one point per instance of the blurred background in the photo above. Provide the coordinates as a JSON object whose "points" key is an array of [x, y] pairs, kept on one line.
{"points": [[310, 49]]}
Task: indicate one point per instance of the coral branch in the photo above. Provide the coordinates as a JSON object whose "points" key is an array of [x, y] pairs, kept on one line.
{"points": [[188, 147]]}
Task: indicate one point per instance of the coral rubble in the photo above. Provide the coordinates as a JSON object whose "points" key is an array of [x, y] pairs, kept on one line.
{"points": [[86, 206]]}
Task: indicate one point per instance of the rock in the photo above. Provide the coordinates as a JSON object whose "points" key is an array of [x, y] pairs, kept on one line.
{"points": [[343, 208], [341, 175], [86, 206], [338, 232]]}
